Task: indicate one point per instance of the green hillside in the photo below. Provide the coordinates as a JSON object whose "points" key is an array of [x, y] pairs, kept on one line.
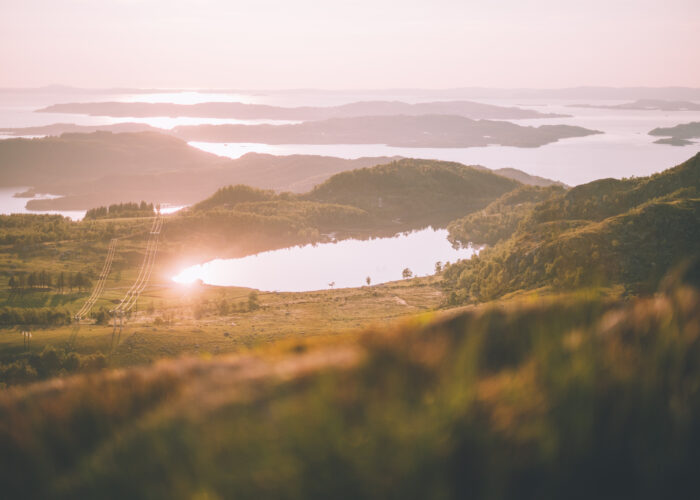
{"points": [[429, 191], [501, 218], [627, 232]]}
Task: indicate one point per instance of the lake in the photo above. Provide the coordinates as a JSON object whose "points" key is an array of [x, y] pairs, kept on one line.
{"points": [[345, 263], [11, 205], [624, 149]]}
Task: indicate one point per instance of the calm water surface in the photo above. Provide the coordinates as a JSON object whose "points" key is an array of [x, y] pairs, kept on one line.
{"points": [[11, 205], [624, 150], [346, 263]]}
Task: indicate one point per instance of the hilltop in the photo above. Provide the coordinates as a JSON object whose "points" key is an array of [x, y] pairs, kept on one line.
{"points": [[429, 190]]}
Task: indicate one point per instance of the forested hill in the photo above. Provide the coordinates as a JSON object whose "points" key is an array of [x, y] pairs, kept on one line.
{"points": [[85, 157], [603, 198], [500, 218], [378, 201], [435, 191], [628, 232]]}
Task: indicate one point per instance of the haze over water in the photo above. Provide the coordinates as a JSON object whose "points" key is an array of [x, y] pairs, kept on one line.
{"points": [[624, 149]]}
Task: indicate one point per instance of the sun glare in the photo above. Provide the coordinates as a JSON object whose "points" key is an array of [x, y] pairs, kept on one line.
{"points": [[189, 275]]}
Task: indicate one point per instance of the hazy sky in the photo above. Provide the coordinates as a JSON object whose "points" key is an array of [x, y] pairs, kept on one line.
{"points": [[349, 44]]}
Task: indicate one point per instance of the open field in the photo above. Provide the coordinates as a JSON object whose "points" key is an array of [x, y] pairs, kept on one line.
{"points": [[173, 320]]}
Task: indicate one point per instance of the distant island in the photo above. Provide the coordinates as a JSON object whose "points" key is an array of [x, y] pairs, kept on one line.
{"points": [[427, 131], [244, 111], [678, 135], [647, 105], [90, 170], [56, 129]]}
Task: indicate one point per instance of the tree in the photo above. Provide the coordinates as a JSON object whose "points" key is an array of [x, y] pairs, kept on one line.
{"points": [[438, 267], [253, 303], [223, 307], [61, 282], [368, 280], [406, 273], [101, 316]]}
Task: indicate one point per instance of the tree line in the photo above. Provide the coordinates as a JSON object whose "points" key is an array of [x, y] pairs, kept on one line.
{"points": [[44, 280], [128, 209]]}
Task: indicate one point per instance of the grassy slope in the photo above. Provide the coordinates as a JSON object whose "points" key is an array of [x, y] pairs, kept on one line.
{"points": [[565, 397]]}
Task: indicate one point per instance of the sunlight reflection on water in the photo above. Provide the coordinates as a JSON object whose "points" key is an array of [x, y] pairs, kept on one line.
{"points": [[345, 263]]}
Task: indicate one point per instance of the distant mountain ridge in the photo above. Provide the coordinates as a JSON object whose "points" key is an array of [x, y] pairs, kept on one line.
{"points": [[648, 105], [240, 110]]}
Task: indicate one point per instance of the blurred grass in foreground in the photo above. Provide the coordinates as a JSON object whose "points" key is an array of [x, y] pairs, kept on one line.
{"points": [[574, 396]]}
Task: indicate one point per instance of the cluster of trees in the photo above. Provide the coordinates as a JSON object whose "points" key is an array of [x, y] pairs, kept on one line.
{"points": [[117, 210], [43, 280], [230, 196], [43, 316], [223, 307], [51, 362], [25, 232], [27, 229]]}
